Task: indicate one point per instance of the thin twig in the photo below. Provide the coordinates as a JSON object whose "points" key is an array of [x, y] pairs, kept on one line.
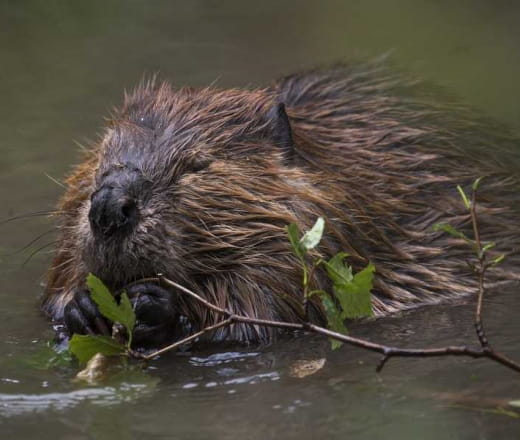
{"points": [[306, 298], [480, 271], [190, 338], [228, 313]]}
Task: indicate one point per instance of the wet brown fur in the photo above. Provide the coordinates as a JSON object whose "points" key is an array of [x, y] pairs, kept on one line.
{"points": [[376, 154]]}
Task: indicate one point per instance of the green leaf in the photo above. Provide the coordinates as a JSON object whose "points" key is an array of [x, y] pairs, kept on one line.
{"points": [[316, 292], [465, 199], [446, 227], [313, 236], [292, 231], [476, 183], [335, 344], [86, 346], [498, 260], [338, 271], [128, 318], [103, 298], [355, 296], [98, 288], [109, 308], [334, 319], [488, 246]]}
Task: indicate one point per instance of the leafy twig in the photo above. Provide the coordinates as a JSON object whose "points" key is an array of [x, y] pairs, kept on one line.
{"points": [[480, 268]]}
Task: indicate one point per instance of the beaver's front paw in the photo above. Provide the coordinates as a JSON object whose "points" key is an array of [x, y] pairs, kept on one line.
{"points": [[82, 316], [157, 320]]}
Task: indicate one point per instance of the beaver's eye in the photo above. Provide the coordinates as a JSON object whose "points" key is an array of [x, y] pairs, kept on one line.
{"points": [[146, 121]]}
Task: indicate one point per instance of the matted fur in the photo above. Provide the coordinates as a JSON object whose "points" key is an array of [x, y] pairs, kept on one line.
{"points": [[376, 154]]}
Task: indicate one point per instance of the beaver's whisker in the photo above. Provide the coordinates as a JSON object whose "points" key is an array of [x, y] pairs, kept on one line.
{"points": [[56, 181], [31, 215], [52, 243], [34, 240]]}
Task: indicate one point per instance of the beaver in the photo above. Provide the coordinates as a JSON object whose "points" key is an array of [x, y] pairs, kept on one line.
{"points": [[200, 184]]}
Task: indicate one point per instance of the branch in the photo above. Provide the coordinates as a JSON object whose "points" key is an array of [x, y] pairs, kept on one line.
{"points": [[386, 351]]}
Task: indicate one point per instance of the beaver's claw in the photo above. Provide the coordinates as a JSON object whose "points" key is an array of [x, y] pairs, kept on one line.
{"points": [[157, 319], [82, 316]]}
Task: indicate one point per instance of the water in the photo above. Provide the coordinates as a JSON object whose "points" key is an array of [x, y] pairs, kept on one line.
{"points": [[65, 64]]}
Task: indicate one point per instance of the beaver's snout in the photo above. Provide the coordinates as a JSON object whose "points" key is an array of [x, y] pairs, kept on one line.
{"points": [[114, 206], [112, 210]]}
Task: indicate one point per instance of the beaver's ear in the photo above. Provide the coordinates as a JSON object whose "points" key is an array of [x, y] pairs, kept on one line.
{"points": [[280, 129]]}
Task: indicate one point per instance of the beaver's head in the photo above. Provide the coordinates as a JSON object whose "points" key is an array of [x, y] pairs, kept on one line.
{"points": [[191, 183]]}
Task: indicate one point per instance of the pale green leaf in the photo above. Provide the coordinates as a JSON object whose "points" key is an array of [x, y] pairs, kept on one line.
{"points": [[464, 197], [313, 236], [85, 347], [498, 259], [488, 246], [316, 292], [446, 227], [476, 183]]}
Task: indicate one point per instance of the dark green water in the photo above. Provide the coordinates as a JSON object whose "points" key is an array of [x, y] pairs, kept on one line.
{"points": [[63, 65]]}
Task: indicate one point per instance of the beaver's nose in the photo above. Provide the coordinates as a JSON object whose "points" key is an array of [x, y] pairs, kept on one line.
{"points": [[111, 211]]}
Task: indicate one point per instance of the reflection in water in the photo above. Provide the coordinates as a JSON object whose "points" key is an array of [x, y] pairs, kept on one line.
{"points": [[254, 379], [65, 64], [221, 358], [17, 404]]}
